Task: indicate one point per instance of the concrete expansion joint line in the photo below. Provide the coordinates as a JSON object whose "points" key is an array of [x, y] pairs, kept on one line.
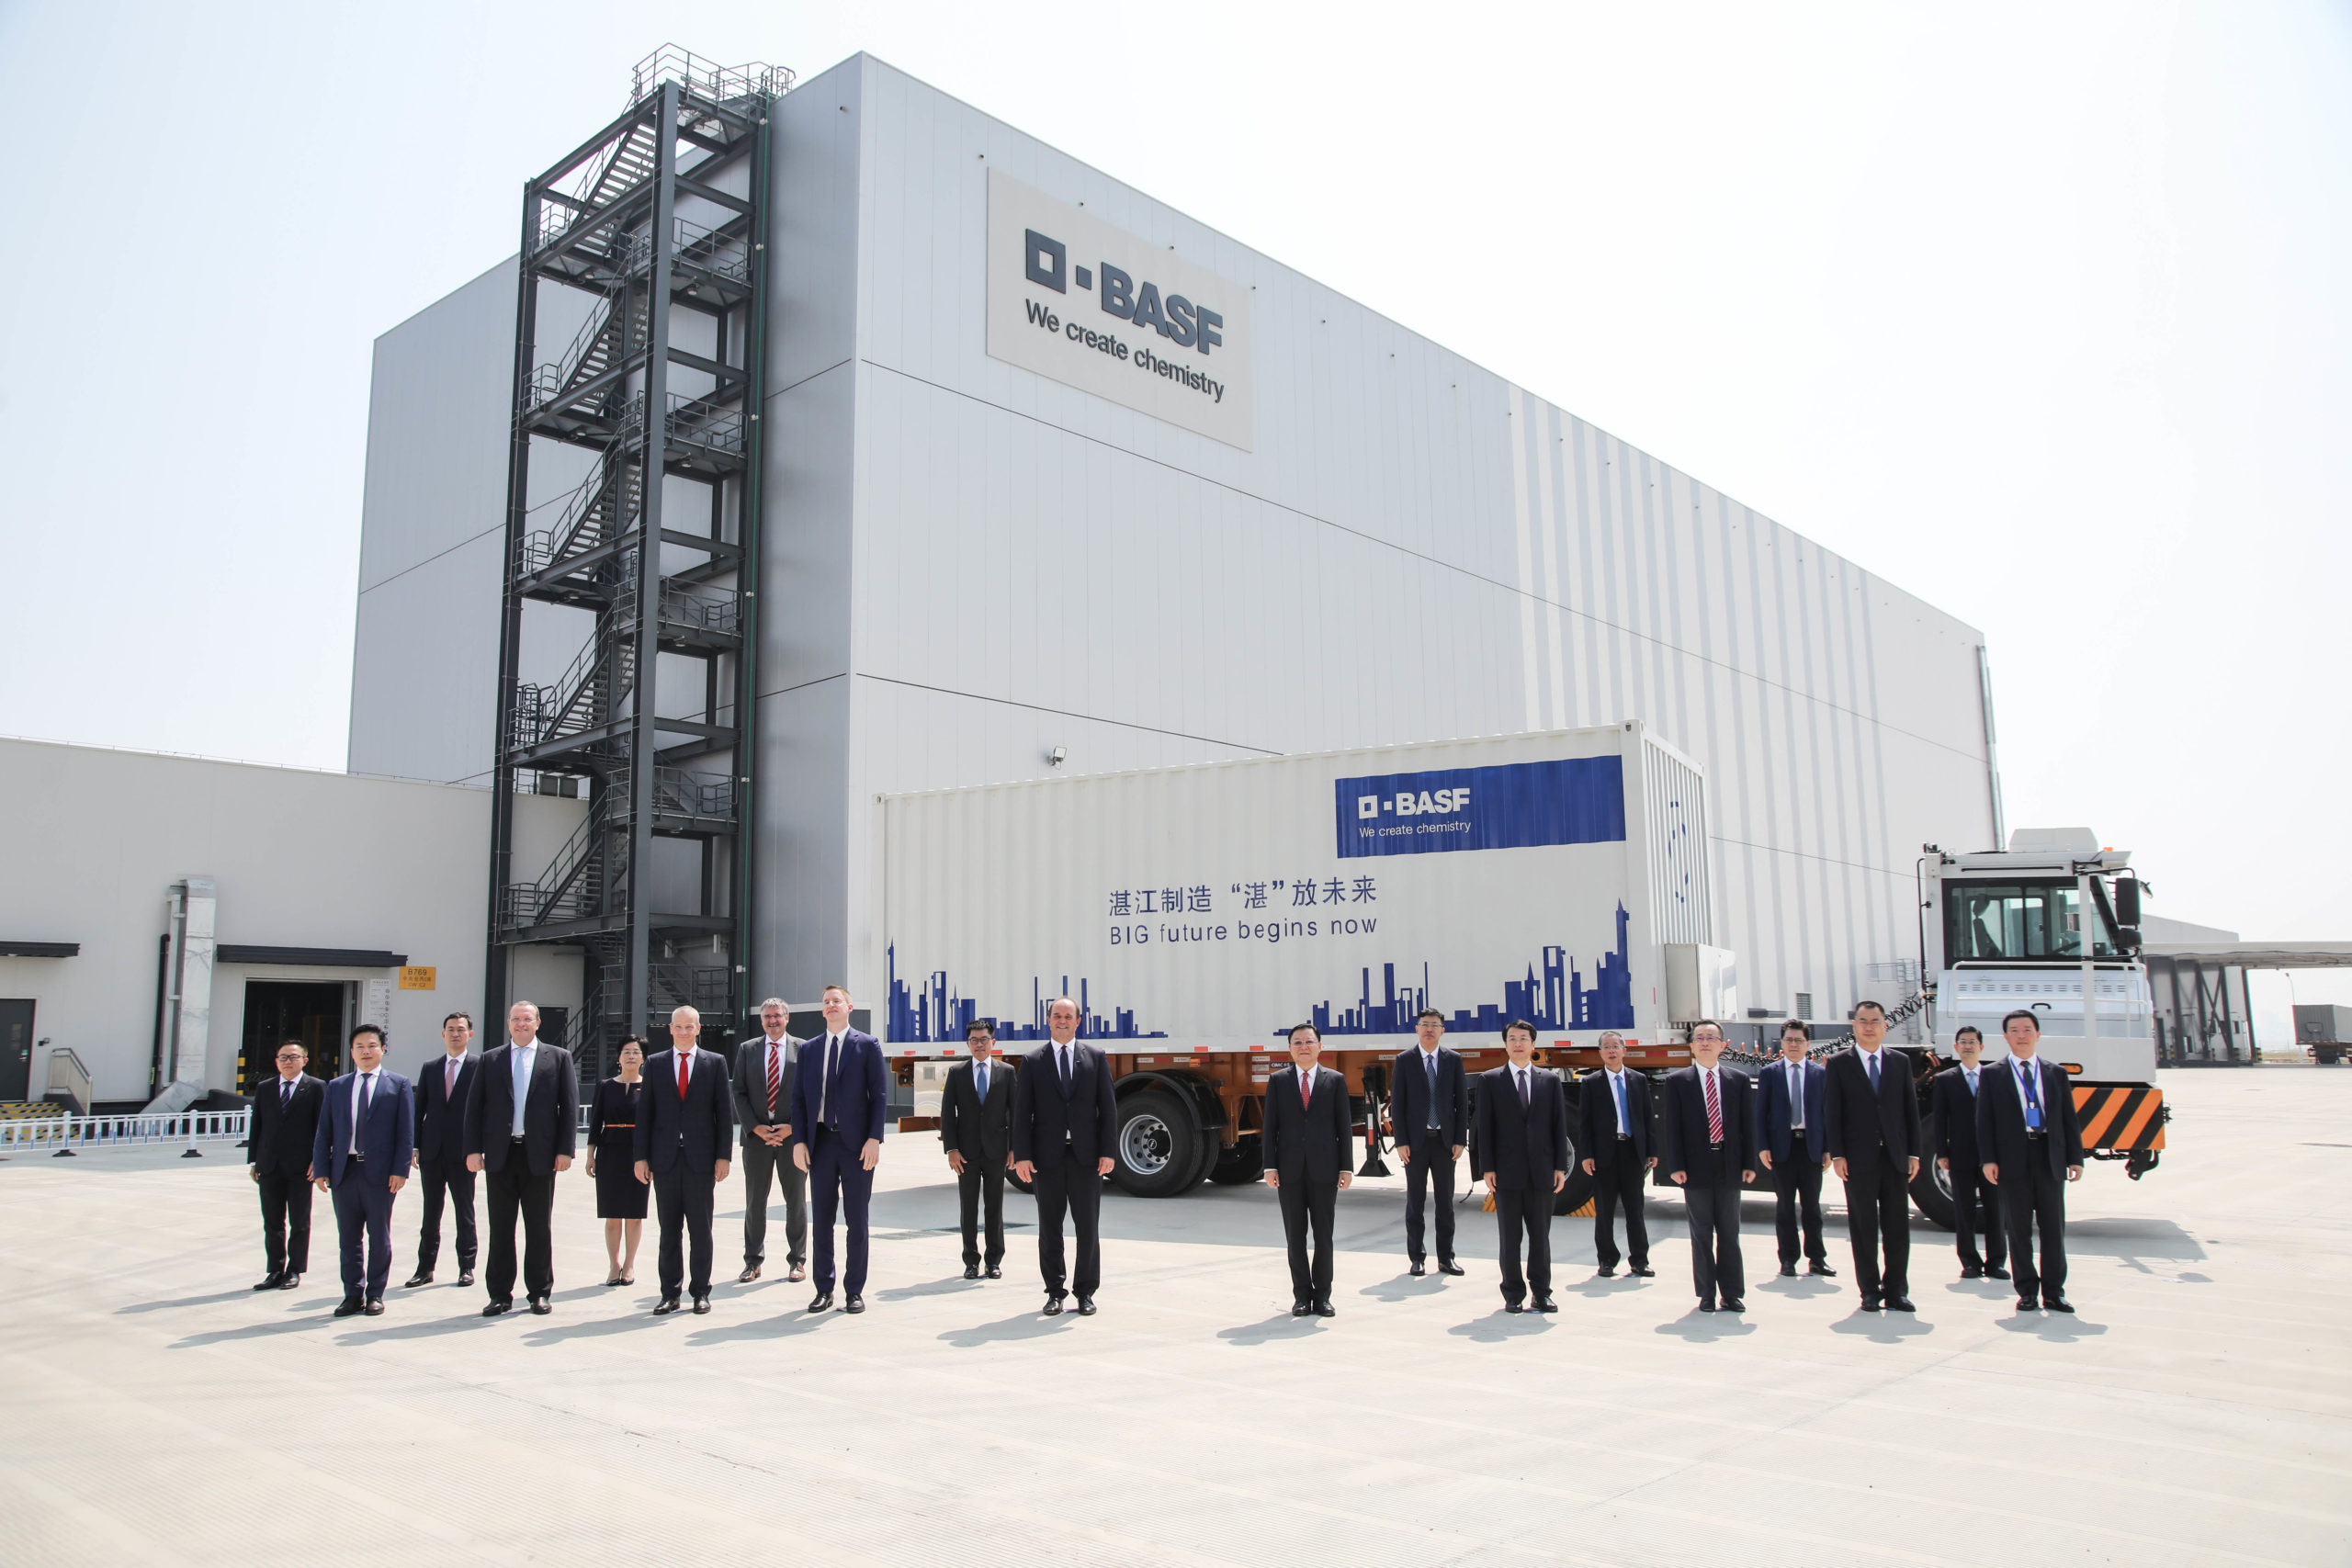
{"points": [[1651, 639]]}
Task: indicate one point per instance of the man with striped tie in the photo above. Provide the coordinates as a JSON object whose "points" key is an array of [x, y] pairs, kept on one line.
{"points": [[763, 1072], [1706, 1146]]}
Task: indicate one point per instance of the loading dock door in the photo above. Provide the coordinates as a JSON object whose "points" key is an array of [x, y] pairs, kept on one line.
{"points": [[15, 1050], [280, 1010]]}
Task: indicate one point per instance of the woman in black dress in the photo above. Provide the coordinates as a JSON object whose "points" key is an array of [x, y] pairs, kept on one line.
{"points": [[612, 1160]]}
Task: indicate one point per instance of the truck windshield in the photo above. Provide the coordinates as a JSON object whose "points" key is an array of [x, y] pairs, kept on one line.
{"points": [[2014, 921]]}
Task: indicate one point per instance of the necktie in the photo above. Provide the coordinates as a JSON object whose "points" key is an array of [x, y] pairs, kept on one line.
{"points": [[450, 1079], [2026, 1075], [1306, 1088], [775, 1077], [1870, 1059], [1429, 1066], [1061, 1064], [285, 1094], [1624, 1117], [685, 1069], [1796, 1098], [832, 1077], [1715, 1111], [1521, 1074], [980, 1081], [1972, 1083], [360, 1094]]}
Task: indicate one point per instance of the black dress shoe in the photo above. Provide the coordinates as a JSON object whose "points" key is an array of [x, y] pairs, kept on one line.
{"points": [[350, 1306], [1706, 1306], [971, 1271], [821, 1301], [290, 1282], [667, 1305], [2057, 1304], [375, 1306], [1514, 1306], [750, 1272], [2027, 1303], [465, 1277], [1995, 1272], [855, 1303], [1325, 1309], [994, 1272], [1448, 1266], [1788, 1270], [421, 1277], [1821, 1269], [1301, 1309], [1545, 1303], [1419, 1269], [702, 1304], [1899, 1304], [1971, 1271], [1086, 1306], [1642, 1271], [1053, 1307], [1869, 1303], [542, 1306], [1606, 1272], [497, 1309], [271, 1282], [1733, 1304]]}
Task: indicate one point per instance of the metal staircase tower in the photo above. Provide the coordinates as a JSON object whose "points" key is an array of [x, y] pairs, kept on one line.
{"points": [[641, 439]]}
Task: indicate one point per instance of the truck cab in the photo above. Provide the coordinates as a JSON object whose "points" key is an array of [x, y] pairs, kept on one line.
{"points": [[2049, 924]]}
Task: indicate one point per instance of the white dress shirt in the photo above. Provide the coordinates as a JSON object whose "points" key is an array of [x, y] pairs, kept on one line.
{"points": [[525, 1058]]}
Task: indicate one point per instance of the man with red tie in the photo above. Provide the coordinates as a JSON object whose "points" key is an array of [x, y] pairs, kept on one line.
{"points": [[1305, 1147], [1706, 1145], [681, 1143], [763, 1073]]}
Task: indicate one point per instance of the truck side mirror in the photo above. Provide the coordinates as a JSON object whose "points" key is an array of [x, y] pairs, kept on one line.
{"points": [[2127, 902]]}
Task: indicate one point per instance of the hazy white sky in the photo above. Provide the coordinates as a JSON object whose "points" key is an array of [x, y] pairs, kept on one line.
{"points": [[2040, 312]]}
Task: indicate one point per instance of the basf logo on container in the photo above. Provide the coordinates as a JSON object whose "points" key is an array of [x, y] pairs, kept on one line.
{"points": [[1576, 800], [1094, 306]]}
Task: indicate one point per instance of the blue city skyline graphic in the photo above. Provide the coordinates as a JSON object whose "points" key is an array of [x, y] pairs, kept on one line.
{"points": [[1552, 997]]}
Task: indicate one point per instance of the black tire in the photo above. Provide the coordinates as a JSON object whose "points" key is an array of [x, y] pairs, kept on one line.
{"points": [[1157, 1150], [1238, 1165], [1931, 1189], [1578, 1192]]}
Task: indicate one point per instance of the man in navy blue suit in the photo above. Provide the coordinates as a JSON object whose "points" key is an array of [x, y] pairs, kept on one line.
{"points": [[839, 1098], [1429, 1115], [1065, 1118], [441, 1090], [366, 1140], [1789, 1139], [686, 1126]]}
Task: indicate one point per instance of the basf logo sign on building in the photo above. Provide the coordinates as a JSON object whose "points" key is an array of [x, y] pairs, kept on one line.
{"points": [[1100, 309]]}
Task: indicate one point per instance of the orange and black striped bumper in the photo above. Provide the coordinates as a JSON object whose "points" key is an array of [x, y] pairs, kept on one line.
{"points": [[2120, 1118]]}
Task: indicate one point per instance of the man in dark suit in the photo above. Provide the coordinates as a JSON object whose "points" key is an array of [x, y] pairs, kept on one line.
{"points": [[277, 1152], [1975, 1201], [976, 1128], [1064, 1118], [1619, 1151], [764, 1067], [1305, 1148], [1870, 1122], [1707, 1147], [1791, 1140], [1429, 1115], [837, 1111], [522, 1125], [441, 1090], [360, 1154], [2032, 1146], [1522, 1115], [684, 1134]]}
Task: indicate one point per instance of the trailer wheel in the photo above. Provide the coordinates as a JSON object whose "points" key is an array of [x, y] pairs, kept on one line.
{"points": [[1931, 1189], [1578, 1192], [1157, 1153], [1238, 1165]]}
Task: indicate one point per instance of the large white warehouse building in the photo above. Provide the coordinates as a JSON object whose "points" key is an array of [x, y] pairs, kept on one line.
{"points": [[1053, 470]]}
